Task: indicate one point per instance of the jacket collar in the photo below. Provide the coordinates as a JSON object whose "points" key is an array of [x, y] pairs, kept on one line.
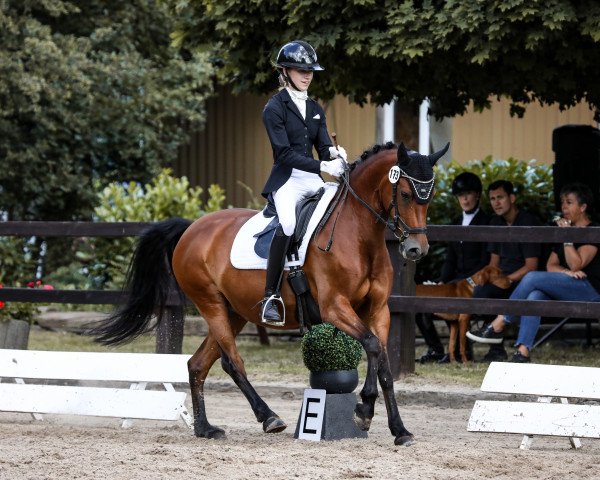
{"points": [[287, 99]]}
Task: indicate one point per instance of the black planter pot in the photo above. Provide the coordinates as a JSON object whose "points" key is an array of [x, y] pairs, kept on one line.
{"points": [[335, 381]]}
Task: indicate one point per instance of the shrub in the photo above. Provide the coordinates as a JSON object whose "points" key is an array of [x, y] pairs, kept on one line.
{"points": [[165, 197], [325, 348]]}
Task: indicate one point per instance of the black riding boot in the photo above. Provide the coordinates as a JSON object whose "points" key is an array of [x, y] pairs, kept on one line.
{"points": [[275, 263], [435, 351]]}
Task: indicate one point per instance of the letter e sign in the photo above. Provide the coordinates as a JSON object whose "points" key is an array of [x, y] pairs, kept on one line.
{"points": [[312, 414]]}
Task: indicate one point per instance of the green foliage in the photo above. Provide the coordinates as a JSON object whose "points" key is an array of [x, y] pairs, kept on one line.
{"points": [[164, 197], [533, 187], [533, 184], [325, 348], [17, 270], [451, 52], [90, 92]]}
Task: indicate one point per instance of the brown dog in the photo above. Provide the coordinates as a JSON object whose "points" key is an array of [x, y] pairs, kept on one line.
{"points": [[462, 288]]}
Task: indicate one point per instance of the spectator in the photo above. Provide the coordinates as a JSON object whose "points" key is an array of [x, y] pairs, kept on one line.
{"points": [[514, 259], [462, 260], [573, 274]]}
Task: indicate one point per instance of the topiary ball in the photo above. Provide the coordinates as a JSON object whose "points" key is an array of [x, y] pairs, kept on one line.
{"points": [[325, 348]]}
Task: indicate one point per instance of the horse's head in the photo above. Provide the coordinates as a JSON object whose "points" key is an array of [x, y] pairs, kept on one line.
{"points": [[412, 181]]}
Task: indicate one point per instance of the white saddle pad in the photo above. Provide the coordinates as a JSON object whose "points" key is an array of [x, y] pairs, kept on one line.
{"points": [[243, 255]]}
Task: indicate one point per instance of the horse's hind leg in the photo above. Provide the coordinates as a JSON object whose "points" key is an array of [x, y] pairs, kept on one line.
{"points": [[199, 366], [233, 364]]}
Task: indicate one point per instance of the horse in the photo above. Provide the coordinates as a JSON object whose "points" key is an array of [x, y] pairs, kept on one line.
{"points": [[350, 279]]}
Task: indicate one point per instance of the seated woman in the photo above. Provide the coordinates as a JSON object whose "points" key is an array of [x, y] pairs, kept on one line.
{"points": [[573, 274]]}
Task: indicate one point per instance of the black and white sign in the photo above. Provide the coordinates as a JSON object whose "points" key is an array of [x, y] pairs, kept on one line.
{"points": [[312, 414]]}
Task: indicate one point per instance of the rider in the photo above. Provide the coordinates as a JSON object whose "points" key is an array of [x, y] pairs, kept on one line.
{"points": [[295, 124]]}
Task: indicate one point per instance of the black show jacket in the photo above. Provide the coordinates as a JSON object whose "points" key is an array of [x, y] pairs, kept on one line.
{"points": [[465, 258], [293, 138]]}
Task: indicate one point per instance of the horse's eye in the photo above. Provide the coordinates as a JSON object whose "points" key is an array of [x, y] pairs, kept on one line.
{"points": [[406, 196]]}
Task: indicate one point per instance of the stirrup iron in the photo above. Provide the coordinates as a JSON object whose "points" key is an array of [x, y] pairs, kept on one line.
{"points": [[272, 298]]}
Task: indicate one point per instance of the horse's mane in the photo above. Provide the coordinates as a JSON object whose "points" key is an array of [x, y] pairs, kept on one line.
{"points": [[371, 152]]}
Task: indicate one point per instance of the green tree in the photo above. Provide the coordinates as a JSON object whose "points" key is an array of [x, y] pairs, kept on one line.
{"points": [[90, 92], [451, 51]]}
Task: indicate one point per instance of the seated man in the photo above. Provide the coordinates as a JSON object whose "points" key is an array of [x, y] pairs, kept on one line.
{"points": [[514, 259], [462, 260]]}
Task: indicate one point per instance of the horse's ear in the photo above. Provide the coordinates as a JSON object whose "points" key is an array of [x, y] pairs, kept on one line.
{"points": [[403, 158], [434, 157]]}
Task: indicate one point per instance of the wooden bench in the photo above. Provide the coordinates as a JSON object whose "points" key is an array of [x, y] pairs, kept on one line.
{"points": [[542, 417], [80, 369]]}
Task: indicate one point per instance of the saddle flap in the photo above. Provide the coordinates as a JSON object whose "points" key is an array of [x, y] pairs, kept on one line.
{"points": [[264, 238]]}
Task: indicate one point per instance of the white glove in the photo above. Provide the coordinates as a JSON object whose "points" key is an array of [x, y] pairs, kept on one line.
{"points": [[334, 167], [338, 152]]}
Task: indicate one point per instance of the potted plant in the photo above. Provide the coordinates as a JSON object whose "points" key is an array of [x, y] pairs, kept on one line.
{"points": [[332, 358]]}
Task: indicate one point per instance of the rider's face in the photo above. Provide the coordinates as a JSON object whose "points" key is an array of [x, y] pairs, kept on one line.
{"points": [[468, 200], [300, 78]]}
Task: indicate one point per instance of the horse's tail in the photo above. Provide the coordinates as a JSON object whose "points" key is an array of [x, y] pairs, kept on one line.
{"points": [[148, 281]]}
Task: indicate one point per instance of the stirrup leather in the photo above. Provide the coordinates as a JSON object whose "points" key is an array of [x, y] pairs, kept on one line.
{"points": [[272, 298]]}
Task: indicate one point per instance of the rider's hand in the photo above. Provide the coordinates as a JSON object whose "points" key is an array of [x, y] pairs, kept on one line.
{"points": [[338, 152], [335, 167]]}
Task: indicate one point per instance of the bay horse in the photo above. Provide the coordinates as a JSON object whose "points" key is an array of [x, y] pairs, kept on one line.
{"points": [[351, 281]]}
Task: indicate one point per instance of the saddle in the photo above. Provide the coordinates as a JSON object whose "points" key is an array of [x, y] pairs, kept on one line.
{"points": [[304, 211]]}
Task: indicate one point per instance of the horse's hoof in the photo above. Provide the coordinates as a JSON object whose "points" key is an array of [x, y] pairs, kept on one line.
{"points": [[274, 425], [212, 433], [362, 423], [360, 420], [405, 440]]}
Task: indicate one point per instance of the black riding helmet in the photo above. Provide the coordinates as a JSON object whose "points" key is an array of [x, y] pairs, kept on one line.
{"points": [[466, 182], [298, 54]]}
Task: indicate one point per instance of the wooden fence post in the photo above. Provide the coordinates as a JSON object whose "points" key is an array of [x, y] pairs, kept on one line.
{"points": [[401, 341], [169, 334]]}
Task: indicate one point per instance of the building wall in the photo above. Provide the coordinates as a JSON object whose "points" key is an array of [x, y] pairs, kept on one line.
{"points": [[494, 132], [234, 147]]}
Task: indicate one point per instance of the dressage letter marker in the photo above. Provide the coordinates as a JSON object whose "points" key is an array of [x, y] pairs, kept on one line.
{"points": [[312, 414]]}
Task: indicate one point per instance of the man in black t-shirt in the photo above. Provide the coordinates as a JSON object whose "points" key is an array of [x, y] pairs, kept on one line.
{"points": [[514, 259]]}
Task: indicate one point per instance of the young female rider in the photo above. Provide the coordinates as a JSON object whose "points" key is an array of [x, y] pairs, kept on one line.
{"points": [[295, 125]]}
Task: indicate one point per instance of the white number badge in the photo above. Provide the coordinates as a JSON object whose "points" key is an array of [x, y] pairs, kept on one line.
{"points": [[394, 174]]}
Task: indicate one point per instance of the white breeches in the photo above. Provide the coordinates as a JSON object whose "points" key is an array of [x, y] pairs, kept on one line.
{"points": [[300, 184]]}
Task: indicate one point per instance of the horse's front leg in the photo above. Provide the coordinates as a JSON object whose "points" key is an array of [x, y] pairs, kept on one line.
{"points": [[364, 412], [401, 434], [386, 380], [378, 367]]}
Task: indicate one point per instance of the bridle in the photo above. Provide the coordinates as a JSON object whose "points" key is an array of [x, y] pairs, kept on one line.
{"points": [[397, 224]]}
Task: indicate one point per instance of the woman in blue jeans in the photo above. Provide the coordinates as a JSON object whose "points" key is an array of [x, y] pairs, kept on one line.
{"points": [[572, 274]]}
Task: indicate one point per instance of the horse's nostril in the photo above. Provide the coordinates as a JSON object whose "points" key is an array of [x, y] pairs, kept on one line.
{"points": [[413, 253]]}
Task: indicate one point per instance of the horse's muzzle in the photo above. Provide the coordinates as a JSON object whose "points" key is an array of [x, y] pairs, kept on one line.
{"points": [[413, 250]]}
